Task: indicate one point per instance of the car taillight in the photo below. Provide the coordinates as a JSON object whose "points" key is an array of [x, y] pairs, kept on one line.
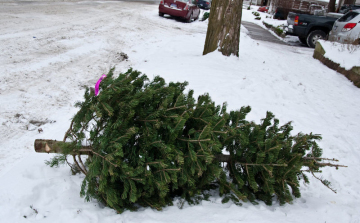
{"points": [[207, 3], [296, 21], [162, 2], [186, 7], [348, 27]]}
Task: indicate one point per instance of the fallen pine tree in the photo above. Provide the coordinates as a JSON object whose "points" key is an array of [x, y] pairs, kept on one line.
{"points": [[148, 142]]}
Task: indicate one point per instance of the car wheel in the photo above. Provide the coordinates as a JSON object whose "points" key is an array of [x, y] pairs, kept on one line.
{"points": [[356, 42], [161, 14], [197, 17], [303, 40], [315, 36], [190, 18]]}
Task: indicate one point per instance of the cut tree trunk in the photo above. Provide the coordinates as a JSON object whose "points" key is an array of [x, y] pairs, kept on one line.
{"points": [[53, 146], [223, 31]]}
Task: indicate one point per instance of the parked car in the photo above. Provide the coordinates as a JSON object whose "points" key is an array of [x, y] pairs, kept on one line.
{"points": [[185, 9], [347, 28], [310, 28], [204, 4], [346, 8], [263, 9], [281, 13]]}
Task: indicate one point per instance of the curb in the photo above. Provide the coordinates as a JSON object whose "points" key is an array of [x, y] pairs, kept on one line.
{"points": [[271, 27], [353, 75]]}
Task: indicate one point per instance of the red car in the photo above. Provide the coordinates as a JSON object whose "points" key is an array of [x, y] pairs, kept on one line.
{"points": [[185, 9], [263, 9]]}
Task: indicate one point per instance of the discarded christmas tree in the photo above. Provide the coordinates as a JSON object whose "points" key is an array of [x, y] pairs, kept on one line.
{"points": [[149, 142]]}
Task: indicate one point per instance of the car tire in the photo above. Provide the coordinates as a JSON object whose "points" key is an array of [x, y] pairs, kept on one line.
{"points": [[303, 40], [314, 36], [356, 42], [197, 17], [161, 14], [190, 18]]}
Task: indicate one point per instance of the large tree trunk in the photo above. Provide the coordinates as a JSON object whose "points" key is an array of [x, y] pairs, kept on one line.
{"points": [[223, 31], [331, 7]]}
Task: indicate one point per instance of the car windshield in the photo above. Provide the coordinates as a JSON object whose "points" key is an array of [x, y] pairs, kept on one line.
{"points": [[348, 16]]}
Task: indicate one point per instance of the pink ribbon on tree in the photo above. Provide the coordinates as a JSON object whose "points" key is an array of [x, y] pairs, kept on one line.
{"points": [[98, 84]]}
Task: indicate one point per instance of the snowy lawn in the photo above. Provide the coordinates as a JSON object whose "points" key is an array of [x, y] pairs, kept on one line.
{"points": [[50, 51], [265, 16]]}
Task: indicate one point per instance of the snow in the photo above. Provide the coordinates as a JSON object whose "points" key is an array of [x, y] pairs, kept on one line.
{"points": [[347, 55], [265, 16], [77, 42]]}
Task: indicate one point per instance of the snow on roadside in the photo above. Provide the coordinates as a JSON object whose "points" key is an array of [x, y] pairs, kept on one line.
{"points": [[266, 17], [347, 55], [77, 42]]}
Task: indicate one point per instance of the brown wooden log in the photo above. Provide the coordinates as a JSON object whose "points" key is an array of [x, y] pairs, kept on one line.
{"points": [[222, 158], [53, 146]]}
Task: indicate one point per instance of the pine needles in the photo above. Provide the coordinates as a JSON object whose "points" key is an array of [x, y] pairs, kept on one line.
{"points": [[150, 142]]}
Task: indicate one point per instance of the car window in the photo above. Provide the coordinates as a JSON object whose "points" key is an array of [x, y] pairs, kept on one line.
{"points": [[348, 16]]}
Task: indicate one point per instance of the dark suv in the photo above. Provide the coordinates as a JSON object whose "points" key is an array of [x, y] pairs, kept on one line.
{"points": [[345, 8], [204, 4]]}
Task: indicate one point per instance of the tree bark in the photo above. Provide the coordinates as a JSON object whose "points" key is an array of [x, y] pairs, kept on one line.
{"points": [[331, 7], [53, 146], [223, 31]]}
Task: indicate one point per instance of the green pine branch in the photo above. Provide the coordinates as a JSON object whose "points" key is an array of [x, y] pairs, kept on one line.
{"points": [[149, 142]]}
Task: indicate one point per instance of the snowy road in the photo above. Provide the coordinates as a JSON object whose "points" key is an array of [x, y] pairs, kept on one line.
{"points": [[43, 41], [50, 51]]}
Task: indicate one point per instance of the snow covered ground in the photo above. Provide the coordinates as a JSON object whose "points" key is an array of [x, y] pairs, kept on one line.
{"points": [[51, 50]]}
